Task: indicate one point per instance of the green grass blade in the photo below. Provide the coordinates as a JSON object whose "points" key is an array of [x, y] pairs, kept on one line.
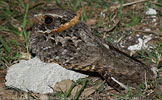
{"points": [[5, 29], [21, 3], [5, 45], [58, 2], [25, 16], [26, 34], [70, 89], [160, 70], [80, 91], [10, 29], [78, 4]]}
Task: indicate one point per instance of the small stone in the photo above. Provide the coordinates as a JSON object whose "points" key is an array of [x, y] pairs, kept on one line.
{"points": [[151, 11], [37, 76]]}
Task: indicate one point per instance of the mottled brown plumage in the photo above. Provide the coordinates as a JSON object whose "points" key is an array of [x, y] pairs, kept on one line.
{"points": [[79, 49]]}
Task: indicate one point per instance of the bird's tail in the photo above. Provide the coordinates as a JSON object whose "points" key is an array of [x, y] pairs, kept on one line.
{"points": [[104, 73], [113, 82]]}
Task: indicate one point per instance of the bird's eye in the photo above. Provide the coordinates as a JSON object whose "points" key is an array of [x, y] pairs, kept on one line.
{"points": [[48, 20]]}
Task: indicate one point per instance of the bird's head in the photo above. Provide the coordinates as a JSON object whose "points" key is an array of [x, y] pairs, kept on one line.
{"points": [[55, 20]]}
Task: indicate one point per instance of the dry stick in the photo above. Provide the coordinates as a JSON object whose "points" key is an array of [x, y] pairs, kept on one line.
{"points": [[116, 23], [110, 29], [127, 4], [156, 3], [131, 3], [153, 32]]}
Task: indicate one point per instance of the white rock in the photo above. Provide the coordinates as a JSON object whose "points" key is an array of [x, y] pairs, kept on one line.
{"points": [[147, 29], [146, 39], [151, 11], [136, 46], [142, 43], [37, 76]]}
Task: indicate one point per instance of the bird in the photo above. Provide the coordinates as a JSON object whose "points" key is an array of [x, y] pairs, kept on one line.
{"points": [[58, 36]]}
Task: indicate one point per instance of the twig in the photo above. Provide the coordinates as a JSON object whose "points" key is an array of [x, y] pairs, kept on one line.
{"points": [[156, 3], [146, 81], [152, 32], [127, 4], [108, 30], [131, 3]]}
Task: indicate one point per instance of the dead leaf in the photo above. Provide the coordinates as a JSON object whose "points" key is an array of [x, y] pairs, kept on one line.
{"points": [[63, 85], [75, 90], [88, 91]]}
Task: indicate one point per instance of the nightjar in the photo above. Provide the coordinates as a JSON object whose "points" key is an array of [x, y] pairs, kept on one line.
{"points": [[58, 36]]}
